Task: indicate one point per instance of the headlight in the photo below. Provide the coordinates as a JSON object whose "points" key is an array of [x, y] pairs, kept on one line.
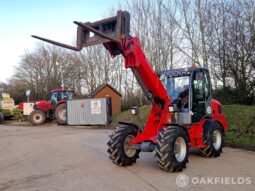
{"points": [[209, 110], [171, 108]]}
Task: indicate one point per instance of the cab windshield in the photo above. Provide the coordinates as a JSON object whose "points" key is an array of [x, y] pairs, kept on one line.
{"points": [[177, 87], [57, 96]]}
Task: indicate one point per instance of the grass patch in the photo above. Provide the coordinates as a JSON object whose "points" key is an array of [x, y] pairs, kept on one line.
{"points": [[240, 119], [126, 116], [241, 125]]}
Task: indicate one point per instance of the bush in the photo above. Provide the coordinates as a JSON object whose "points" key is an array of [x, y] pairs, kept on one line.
{"points": [[225, 95]]}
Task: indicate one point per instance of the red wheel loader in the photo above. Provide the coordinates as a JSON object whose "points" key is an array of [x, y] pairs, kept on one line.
{"points": [[183, 114], [52, 108]]}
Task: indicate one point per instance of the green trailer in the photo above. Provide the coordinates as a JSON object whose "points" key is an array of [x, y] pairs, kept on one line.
{"points": [[7, 106]]}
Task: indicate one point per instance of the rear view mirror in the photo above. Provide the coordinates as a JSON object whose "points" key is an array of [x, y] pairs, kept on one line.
{"points": [[48, 97]]}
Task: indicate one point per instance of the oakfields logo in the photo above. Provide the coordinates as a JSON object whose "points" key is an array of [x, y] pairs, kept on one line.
{"points": [[183, 180]]}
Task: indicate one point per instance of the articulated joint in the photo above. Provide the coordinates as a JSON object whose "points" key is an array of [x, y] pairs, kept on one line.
{"points": [[144, 146]]}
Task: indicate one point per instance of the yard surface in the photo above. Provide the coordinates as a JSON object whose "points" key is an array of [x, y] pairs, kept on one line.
{"points": [[51, 157]]}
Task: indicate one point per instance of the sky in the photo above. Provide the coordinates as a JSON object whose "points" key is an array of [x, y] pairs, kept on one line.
{"points": [[53, 19]]}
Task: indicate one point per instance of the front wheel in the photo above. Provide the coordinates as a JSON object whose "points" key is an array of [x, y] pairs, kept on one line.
{"points": [[37, 117], [60, 114], [120, 151], [214, 142], [172, 149]]}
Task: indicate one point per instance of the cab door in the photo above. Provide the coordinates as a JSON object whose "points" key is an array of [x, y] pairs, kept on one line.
{"points": [[201, 95], [54, 99]]}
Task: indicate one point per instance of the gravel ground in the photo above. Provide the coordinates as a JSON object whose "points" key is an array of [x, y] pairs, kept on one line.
{"points": [[51, 157]]}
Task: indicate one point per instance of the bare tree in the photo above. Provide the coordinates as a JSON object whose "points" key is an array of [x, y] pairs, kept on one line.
{"points": [[217, 34]]}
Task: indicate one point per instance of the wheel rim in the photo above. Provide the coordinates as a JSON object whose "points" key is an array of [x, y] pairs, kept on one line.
{"points": [[62, 114], [180, 149], [37, 118], [128, 149], [216, 139]]}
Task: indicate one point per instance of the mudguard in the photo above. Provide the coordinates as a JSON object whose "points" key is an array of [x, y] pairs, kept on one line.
{"points": [[131, 124], [206, 128]]}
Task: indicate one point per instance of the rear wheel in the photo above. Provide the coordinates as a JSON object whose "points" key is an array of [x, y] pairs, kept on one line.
{"points": [[37, 117], [214, 142], [172, 149], [60, 114], [121, 152]]}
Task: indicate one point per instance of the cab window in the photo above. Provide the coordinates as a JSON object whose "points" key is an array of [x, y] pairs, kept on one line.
{"points": [[207, 86], [200, 90]]}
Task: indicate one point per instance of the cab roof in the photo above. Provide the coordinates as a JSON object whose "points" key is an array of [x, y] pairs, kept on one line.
{"points": [[61, 90], [178, 72]]}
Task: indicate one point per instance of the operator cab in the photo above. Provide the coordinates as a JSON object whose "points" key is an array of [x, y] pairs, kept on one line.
{"points": [[190, 93], [58, 95]]}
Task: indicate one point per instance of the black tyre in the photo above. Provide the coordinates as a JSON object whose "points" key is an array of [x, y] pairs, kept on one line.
{"points": [[214, 141], [1, 117], [37, 117], [61, 114], [172, 149], [120, 151], [8, 117]]}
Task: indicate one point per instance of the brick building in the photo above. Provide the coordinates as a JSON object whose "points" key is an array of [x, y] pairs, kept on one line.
{"points": [[107, 91]]}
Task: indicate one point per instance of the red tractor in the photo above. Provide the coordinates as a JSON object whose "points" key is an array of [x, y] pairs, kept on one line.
{"points": [[183, 114], [54, 107]]}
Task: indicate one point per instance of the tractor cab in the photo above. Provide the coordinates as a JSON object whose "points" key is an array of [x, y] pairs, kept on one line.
{"points": [[190, 93], [60, 95]]}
